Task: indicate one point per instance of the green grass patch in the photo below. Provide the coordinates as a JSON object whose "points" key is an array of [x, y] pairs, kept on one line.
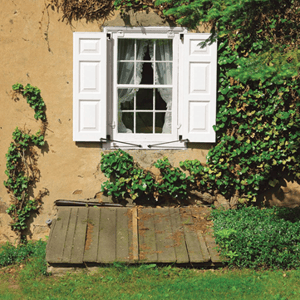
{"points": [[26, 280], [253, 238]]}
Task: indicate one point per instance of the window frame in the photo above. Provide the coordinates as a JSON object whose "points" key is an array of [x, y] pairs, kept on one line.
{"points": [[144, 140]]}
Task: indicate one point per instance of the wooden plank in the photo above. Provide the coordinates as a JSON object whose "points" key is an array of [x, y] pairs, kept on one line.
{"points": [[135, 237], [191, 238], [178, 236], [199, 214], [163, 233], [122, 240], [211, 246], [66, 258], [92, 237], [107, 239], [80, 235], [203, 246], [50, 240], [56, 242], [147, 240], [130, 240]]}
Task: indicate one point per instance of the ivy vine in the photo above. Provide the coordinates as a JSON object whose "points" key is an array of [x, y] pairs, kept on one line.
{"points": [[21, 163]]}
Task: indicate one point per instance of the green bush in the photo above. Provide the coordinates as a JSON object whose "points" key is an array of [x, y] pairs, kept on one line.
{"points": [[9, 254], [252, 237]]}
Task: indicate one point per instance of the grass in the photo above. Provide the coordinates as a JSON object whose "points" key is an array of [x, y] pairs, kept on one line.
{"points": [[150, 282]]}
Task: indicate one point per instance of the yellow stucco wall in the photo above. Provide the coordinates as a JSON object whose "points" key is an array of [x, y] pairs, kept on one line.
{"points": [[37, 48]]}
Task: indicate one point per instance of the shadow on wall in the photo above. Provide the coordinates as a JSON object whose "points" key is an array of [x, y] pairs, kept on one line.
{"points": [[285, 193]]}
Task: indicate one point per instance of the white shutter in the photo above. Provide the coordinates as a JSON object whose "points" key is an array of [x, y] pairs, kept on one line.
{"points": [[89, 86], [199, 88]]}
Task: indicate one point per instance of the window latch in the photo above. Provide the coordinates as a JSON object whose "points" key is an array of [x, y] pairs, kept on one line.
{"points": [[120, 33], [170, 34]]}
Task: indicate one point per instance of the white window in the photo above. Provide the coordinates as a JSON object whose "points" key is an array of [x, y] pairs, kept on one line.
{"points": [[144, 87]]}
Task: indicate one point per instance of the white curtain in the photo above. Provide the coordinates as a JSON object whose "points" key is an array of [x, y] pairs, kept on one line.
{"points": [[126, 74], [163, 75]]}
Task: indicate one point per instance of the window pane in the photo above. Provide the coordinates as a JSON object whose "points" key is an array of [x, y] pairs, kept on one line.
{"points": [[144, 122], [125, 99], [125, 72], [164, 73], [144, 73], [162, 97], [159, 122], [125, 122], [144, 99], [144, 49], [164, 50], [125, 49]]}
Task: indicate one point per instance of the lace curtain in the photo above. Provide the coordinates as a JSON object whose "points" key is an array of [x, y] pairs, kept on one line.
{"points": [[163, 75]]}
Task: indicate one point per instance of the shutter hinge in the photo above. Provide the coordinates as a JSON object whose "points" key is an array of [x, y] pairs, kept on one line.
{"points": [[181, 36], [113, 125], [108, 36]]}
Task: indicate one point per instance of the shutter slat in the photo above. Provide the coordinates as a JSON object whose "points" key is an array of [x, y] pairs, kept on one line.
{"points": [[89, 86]]}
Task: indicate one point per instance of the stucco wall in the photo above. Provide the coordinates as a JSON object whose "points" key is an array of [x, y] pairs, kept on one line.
{"points": [[37, 48]]}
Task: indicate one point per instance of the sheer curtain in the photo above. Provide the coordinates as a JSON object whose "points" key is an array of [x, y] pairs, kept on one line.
{"points": [[126, 73], [163, 75]]}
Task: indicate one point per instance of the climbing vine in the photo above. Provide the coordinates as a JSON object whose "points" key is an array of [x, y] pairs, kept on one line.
{"points": [[21, 162]]}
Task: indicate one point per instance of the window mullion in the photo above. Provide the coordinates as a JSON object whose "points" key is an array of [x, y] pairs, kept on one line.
{"points": [[134, 95]]}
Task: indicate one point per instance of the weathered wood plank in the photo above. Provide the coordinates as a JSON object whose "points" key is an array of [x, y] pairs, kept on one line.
{"points": [[122, 250], [107, 239], [57, 238], [211, 246], [197, 215], [80, 234], [130, 239], [191, 238], [147, 240], [163, 232], [178, 236], [135, 236], [69, 240], [203, 246], [92, 238]]}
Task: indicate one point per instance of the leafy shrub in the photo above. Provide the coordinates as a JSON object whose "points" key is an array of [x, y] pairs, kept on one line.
{"points": [[127, 179], [252, 237], [174, 183], [9, 254]]}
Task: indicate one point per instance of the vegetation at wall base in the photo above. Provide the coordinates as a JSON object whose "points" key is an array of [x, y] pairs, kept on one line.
{"points": [[26, 252], [21, 163], [259, 238]]}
